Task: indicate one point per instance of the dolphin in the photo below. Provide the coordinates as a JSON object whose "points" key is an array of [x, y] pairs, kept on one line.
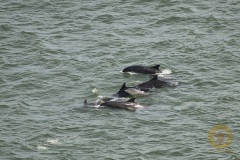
{"points": [[142, 88], [130, 91], [153, 83], [97, 102], [129, 105], [143, 69]]}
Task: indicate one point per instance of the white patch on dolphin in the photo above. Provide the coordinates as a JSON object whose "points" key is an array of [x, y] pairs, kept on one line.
{"points": [[135, 92], [131, 73]]}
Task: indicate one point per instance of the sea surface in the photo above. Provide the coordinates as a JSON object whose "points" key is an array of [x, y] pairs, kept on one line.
{"points": [[54, 54]]}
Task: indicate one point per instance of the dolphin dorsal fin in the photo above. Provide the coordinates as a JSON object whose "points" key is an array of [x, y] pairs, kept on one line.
{"points": [[85, 101], [123, 87], [155, 77], [131, 100], [156, 67]]}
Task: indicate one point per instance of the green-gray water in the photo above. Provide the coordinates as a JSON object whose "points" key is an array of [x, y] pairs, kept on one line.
{"points": [[53, 54]]}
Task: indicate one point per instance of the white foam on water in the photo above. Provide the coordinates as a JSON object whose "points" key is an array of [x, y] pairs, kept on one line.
{"points": [[174, 83], [42, 148], [139, 106], [53, 141], [95, 91], [98, 106], [160, 75], [100, 97], [166, 71]]}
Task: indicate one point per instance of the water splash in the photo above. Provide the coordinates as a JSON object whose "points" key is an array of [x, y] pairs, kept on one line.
{"points": [[166, 71], [138, 106], [95, 91]]}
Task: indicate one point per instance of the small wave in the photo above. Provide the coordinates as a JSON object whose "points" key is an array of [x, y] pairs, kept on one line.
{"points": [[173, 84], [133, 83], [4, 106], [5, 27], [186, 106], [170, 19], [105, 18]]}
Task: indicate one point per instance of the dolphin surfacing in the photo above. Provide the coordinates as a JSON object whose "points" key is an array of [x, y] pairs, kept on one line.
{"points": [[153, 83], [129, 105], [130, 91], [97, 102], [122, 92], [143, 69], [142, 88]]}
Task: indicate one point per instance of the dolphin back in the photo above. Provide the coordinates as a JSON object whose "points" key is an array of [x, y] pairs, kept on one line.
{"points": [[129, 105], [142, 69], [154, 83]]}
